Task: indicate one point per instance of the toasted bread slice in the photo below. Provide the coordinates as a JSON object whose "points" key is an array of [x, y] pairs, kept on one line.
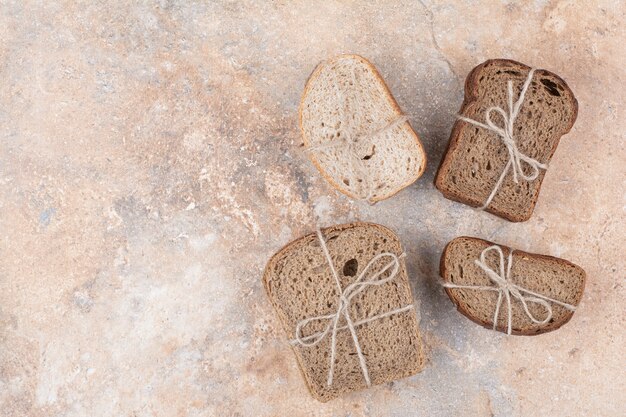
{"points": [[355, 133], [551, 277], [476, 157]]}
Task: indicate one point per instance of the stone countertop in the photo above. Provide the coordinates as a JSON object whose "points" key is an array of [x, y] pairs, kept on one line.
{"points": [[151, 163]]}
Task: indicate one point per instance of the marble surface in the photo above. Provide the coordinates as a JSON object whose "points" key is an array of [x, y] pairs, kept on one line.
{"points": [[151, 163]]}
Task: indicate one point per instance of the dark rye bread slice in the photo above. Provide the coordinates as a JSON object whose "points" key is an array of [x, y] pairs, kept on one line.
{"points": [[476, 156], [346, 100], [546, 275], [300, 285]]}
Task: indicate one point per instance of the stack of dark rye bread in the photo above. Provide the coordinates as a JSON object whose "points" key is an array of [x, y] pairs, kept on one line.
{"points": [[342, 293]]}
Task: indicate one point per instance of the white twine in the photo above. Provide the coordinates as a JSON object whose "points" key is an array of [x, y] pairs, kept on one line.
{"points": [[345, 297], [349, 141], [507, 289], [516, 157]]}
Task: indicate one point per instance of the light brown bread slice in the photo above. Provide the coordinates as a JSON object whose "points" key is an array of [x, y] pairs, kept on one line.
{"points": [[476, 156], [300, 285], [546, 275], [374, 153]]}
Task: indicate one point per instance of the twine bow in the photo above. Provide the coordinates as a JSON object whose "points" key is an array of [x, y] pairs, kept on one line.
{"points": [[345, 297], [516, 157], [350, 139], [507, 289]]}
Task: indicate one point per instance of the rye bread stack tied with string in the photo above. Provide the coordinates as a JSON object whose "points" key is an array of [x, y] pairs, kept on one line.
{"points": [[510, 124], [355, 133], [344, 300], [510, 290]]}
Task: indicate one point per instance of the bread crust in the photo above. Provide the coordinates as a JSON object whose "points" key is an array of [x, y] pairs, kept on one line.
{"points": [[489, 325], [394, 104], [471, 97], [268, 273]]}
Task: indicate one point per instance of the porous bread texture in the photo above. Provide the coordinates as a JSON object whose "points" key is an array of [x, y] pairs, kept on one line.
{"points": [[476, 156], [546, 275], [346, 100], [300, 285]]}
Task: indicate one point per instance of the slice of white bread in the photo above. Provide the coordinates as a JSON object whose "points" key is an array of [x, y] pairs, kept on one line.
{"points": [[476, 157], [355, 133], [546, 275], [300, 285]]}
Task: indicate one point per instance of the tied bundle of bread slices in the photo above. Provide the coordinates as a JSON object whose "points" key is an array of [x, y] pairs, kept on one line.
{"points": [[510, 124], [342, 293], [355, 133], [344, 299]]}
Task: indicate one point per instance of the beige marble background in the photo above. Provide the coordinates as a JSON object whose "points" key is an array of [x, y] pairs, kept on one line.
{"points": [[150, 164]]}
